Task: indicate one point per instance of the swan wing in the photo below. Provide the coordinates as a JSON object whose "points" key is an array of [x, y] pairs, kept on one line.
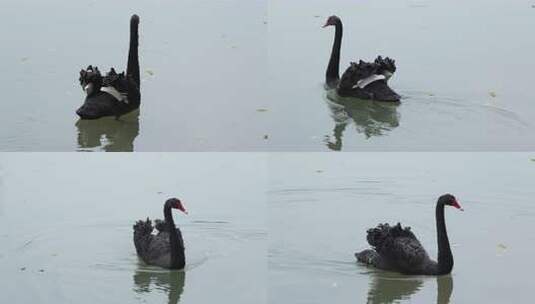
{"points": [[158, 250], [357, 72], [405, 252], [383, 232], [366, 81]]}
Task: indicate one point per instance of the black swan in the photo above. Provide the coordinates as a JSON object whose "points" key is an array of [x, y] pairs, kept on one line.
{"points": [[398, 249], [114, 94], [362, 80], [165, 249]]}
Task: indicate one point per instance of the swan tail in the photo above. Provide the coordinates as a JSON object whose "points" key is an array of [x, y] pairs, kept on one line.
{"points": [[132, 69], [369, 257], [142, 235]]}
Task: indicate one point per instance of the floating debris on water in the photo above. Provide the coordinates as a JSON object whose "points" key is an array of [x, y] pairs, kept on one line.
{"points": [[501, 249], [41, 270], [149, 72], [261, 110], [22, 268], [24, 59], [266, 136], [319, 171], [492, 94]]}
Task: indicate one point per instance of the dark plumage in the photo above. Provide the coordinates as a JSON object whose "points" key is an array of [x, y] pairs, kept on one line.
{"points": [[166, 248], [114, 94], [364, 80], [397, 249]]}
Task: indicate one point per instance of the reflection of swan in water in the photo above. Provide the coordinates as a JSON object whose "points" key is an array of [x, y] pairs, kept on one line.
{"points": [[389, 287], [109, 134], [147, 280], [444, 289], [371, 118]]}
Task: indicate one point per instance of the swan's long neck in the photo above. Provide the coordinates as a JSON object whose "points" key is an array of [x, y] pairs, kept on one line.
{"points": [[132, 68], [445, 258], [177, 254], [332, 76]]}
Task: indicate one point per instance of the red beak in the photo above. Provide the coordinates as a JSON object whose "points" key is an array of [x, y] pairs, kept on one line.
{"points": [[456, 205], [326, 25]]}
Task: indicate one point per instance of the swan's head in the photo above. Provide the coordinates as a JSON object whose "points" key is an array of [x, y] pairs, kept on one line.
{"points": [[90, 80], [450, 200], [333, 20], [175, 203]]}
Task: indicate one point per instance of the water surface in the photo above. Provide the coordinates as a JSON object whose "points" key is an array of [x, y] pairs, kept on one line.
{"points": [[464, 72], [66, 227], [321, 206], [203, 70]]}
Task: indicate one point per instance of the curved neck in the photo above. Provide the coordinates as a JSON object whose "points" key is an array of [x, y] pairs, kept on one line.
{"points": [[332, 76], [132, 68], [177, 253], [445, 258]]}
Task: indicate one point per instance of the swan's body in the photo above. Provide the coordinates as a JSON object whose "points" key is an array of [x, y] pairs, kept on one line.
{"points": [[397, 249], [166, 248], [363, 80], [114, 94]]}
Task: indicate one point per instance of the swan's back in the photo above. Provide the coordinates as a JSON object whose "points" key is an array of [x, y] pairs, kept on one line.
{"points": [[369, 80], [398, 247]]}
